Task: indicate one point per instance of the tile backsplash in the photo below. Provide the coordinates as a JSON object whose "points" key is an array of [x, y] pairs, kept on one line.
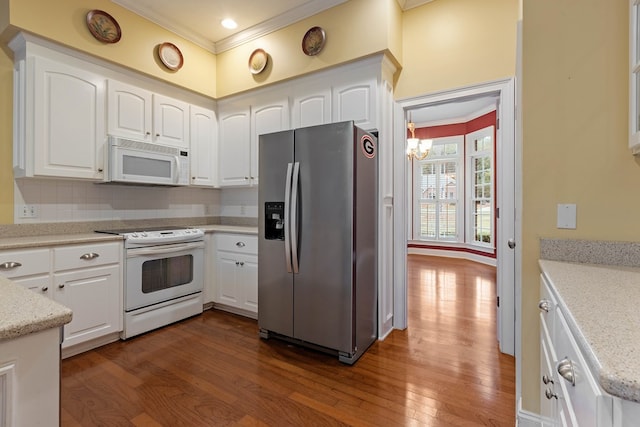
{"points": [[72, 201]]}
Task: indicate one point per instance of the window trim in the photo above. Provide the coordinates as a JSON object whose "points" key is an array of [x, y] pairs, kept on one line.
{"points": [[470, 154]]}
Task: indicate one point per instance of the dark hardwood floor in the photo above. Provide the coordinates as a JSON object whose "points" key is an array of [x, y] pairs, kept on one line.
{"points": [[444, 370]]}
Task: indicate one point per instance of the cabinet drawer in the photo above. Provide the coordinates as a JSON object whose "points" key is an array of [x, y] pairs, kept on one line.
{"points": [[80, 256], [585, 400], [24, 262], [241, 243], [547, 306]]}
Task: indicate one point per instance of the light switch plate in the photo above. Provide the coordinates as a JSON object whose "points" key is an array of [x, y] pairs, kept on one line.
{"points": [[567, 216]]}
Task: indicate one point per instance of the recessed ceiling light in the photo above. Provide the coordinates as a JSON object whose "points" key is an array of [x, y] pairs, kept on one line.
{"points": [[229, 23]]}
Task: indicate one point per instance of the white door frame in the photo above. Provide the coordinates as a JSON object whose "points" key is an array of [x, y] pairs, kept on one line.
{"points": [[506, 227]]}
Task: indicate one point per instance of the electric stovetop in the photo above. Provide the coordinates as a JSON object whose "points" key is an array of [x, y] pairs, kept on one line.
{"points": [[140, 229]]}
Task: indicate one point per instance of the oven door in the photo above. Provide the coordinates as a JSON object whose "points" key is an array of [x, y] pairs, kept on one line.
{"points": [[161, 273]]}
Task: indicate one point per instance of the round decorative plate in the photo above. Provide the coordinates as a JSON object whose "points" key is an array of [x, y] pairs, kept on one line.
{"points": [[103, 27], [170, 56], [313, 41], [258, 61]]}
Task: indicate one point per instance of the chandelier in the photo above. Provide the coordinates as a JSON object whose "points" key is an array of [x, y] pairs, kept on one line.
{"points": [[417, 148]]}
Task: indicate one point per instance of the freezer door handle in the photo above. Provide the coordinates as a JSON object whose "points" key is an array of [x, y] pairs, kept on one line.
{"points": [[294, 216], [287, 237]]}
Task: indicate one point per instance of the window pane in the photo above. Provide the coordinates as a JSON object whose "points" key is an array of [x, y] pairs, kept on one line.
{"points": [[428, 220], [447, 223], [482, 222]]}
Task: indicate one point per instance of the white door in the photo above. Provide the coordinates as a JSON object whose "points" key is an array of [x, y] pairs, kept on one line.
{"points": [[272, 117], [170, 121]]}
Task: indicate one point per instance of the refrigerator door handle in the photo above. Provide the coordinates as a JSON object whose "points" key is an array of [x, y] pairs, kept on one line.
{"points": [[287, 201], [294, 216]]}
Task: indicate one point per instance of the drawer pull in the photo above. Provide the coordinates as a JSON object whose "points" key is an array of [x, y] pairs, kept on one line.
{"points": [[45, 288], [240, 244], [567, 371], [547, 380], [543, 305], [61, 286], [550, 394], [89, 256], [9, 265]]}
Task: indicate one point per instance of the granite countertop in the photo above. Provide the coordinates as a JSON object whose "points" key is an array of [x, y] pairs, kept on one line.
{"points": [[600, 304], [23, 311], [31, 241]]}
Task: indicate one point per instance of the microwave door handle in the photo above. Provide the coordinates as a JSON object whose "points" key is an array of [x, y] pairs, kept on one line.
{"points": [[177, 178]]}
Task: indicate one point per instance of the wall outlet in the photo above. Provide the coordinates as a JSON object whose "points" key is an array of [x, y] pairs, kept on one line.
{"points": [[29, 211]]}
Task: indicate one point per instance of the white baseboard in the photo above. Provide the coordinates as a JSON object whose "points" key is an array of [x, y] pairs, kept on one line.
{"points": [[453, 254], [528, 419]]}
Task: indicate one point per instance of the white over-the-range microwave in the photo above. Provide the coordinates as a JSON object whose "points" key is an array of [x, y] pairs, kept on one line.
{"points": [[137, 162]]}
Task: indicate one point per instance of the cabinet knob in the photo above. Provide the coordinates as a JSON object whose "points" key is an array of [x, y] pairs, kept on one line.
{"points": [[45, 288], [566, 370], [157, 135], [246, 177], [61, 285], [100, 170], [147, 133], [9, 265], [549, 394], [543, 305], [546, 379], [237, 263], [241, 263]]}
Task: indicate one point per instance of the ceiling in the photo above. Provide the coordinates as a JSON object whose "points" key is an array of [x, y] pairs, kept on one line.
{"points": [[199, 20], [453, 111]]}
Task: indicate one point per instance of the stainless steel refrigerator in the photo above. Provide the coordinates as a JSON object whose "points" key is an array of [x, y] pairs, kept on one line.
{"points": [[317, 257]]}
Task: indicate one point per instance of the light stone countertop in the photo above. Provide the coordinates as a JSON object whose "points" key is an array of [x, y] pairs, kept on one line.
{"points": [[23, 311], [600, 304]]}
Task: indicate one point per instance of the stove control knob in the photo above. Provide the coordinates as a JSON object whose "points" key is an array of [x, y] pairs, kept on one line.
{"points": [[144, 234], [134, 235]]}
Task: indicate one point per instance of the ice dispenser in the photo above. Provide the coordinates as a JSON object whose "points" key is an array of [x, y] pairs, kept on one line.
{"points": [[274, 220]]}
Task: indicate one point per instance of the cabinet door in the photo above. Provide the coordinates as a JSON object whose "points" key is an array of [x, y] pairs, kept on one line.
{"points": [[312, 109], [357, 102], [69, 121], [247, 279], [170, 121], [267, 118], [93, 294], [204, 150], [235, 148], [128, 111], [227, 290]]}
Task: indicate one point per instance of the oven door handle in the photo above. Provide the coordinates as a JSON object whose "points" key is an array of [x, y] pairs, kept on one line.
{"points": [[164, 249]]}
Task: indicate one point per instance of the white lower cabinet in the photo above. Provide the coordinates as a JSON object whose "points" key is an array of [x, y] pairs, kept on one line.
{"points": [[570, 393], [236, 269], [86, 278]]}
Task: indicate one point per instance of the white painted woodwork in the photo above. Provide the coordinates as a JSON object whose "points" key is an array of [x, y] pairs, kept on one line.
{"points": [[269, 117], [170, 121], [129, 111], [235, 147], [204, 147], [236, 269], [30, 379], [356, 101], [311, 108]]}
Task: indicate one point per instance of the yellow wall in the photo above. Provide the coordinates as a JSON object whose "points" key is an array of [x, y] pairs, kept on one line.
{"points": [[354, 29], [575, 108], [454, 43], [65, 22]]}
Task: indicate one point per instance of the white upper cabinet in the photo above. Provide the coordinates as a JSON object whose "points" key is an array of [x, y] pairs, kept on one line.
{"points": [[170, 121], [235, 147], [356, 100], [311, 106], [58, 121], [267, 117], [142, 115], [204, 149], [129, 111]]}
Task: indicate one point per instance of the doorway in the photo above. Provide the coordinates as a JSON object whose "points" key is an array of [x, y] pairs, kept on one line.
{"points": [[504, 93]]}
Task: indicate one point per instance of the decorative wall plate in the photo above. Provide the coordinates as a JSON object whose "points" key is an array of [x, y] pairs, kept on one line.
{"points": [[313, 41], [170, 56], [103, 27], [258, 61]]}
